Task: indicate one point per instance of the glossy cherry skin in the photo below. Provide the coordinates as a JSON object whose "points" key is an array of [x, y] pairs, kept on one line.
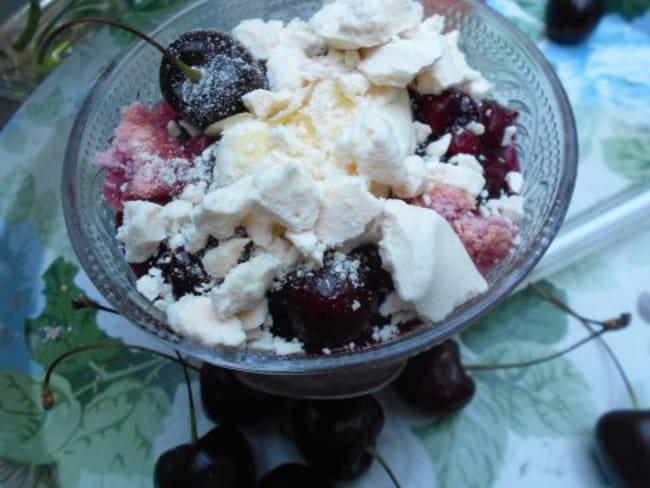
{"points": [[623, 447], [293, 475], [229, 71], [571, 21], [327, 308], [221, 458], [434, 382], [333, 435], [227, 400]]}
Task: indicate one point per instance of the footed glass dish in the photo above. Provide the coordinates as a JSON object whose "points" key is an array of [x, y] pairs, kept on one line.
{"points": [[546, 145]]}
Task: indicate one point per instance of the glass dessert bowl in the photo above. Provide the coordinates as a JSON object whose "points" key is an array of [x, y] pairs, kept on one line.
{"points": [[545, 146]]}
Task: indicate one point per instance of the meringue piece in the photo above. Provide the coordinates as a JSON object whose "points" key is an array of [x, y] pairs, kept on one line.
{"points": [[451, 70], [428, 262], [399, 61], [348, 207], [223, 209], [254, 318], [287, 196], [467, 161], [469, 179], [515, 181], [421, 131], [352, 24], [415, 180], [308, 244], [284, 68], [263, 104], [373, 145], [244, 286], [438, 148], [509, 206], [258, 36], [142, 230], [218, 261], [193, 316], [241, 150]]}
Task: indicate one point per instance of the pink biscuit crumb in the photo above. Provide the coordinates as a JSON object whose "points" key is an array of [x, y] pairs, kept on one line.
{"points": [[449, 201], [488, 240], [144, 162]]}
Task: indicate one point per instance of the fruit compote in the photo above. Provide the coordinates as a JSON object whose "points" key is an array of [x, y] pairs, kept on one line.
{"points": [[323, 186]]}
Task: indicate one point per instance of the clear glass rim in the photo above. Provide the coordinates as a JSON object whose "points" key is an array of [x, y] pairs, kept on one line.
{"points": [[389, 352]]}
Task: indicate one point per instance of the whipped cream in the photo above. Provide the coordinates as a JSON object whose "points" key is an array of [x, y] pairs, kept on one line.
{"points": [[316, 164]]}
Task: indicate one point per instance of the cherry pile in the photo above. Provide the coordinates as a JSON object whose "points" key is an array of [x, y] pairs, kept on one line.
{"points": [[451, 112]]}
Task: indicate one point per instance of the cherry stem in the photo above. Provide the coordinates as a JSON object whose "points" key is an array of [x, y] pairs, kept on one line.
{"points": [[47, 395], [192, 73], [628, 385], [375, 455], [190, 398], [532, 362], [84, 302], [611, 324], [618, 323]]}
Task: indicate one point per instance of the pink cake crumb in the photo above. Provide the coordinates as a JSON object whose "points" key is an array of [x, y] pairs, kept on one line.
{"points": [[488, 240], [449, 201], [144, 162]]}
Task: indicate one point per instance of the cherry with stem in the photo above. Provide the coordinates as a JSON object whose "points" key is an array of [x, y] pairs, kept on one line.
{"points": [[192, 73], [436, 382]]}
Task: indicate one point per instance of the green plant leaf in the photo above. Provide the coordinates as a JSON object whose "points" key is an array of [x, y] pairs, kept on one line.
{"points": [[522, 317], [467, 449], [45, 111], [22, 475], [122, 424], [629, 155], [549, 399], [60, 328], [28, 434]]}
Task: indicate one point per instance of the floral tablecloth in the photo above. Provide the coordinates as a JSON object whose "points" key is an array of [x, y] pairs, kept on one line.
{"points": [[118, 410]]}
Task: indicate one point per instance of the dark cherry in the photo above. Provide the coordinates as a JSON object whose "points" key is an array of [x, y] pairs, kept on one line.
{"points": [[497, 163], [293, 475], [495, 117], [221, 458], [449, 108], [434, 382], [333, 435], [184, 271], [463, 141], [571, 21], [327, 307], [227, 400], [228, 69], [623, 447]]}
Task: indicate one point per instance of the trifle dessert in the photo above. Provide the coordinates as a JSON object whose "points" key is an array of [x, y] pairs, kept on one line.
{"points": [[325, 185]]}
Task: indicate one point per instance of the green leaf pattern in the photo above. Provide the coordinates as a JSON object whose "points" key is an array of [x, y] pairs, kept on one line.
{"points": [[476, 437], [28, 434], [521, 317]]}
